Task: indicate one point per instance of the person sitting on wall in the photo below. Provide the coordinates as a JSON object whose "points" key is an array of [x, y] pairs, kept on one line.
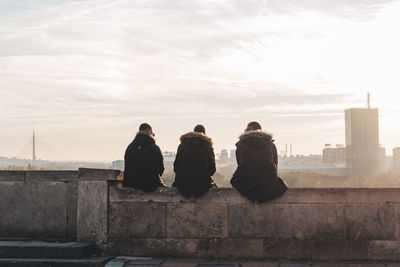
{"points": [[143, 161], [194, 163], [256, 175]]}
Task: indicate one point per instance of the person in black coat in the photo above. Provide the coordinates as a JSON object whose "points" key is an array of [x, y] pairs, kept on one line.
{"points": [[256, 175], [143, 161], [194, 163]]}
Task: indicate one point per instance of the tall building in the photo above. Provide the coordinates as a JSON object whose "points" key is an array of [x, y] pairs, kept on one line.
{"points": [[382, 158], [396, 158], [224, 155], [362, 139], [232, 157]]}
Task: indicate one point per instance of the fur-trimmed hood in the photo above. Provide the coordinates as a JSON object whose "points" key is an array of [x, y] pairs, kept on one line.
{"points": [[256, 134], [143, 139], [196, 138], [255, 138]]}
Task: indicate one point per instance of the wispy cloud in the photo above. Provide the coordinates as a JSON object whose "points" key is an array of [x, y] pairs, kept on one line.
{"points": [[93, 64]]}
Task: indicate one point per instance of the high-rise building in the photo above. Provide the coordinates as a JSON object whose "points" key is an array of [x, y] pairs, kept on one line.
{"points": [[362, 139], [232, 157], [224, 155], [396, 158], [382, 158]]}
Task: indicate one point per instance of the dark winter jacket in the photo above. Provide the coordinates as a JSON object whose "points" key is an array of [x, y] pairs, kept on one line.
{"points": [[143, 164], [194, 165], [256, 175]]}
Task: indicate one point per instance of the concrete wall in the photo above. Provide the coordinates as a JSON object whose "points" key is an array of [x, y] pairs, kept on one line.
{"points": [[38, 204], [43, 203], [319, 224]]}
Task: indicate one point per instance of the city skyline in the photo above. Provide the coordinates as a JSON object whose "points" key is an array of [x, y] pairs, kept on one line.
{"points": [[85, 74]]}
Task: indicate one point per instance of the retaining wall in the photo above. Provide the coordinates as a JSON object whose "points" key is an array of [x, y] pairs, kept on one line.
{"points": [[89, 205]]}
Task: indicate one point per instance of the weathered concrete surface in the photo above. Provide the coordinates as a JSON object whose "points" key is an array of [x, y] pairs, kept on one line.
{"points": [[197, 220], [33, 209], [12, 175], [71, 210], [91, 262], [147, 219], [62, 176], [98, 174], [315, 224], [92, 216], [41, 249]]}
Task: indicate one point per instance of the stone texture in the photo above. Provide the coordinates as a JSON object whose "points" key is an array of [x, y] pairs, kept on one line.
{"points": [[259, 264], [384, 250], [197, 220], [179, 263], [317, 221], [146, 219], [313, 195], [71, 209], [356, 250], [155, 247], [374, 195], [92, 216], [267, 220], [98, 174], [373, 221], [42, 249], [339, 250], [328, 250], [329, 264], [92, 262], [367, 264], [288, 249], [12, 175], [231, 248], [121, 194], [33, 209], [62, 176]]}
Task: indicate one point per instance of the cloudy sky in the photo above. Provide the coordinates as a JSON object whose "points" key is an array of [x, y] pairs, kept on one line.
{"points": [[86, 73]]}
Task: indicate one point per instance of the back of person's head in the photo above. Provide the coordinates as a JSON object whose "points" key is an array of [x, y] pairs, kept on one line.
{"points": [[253, 126], [200, 129], [145, 128]]}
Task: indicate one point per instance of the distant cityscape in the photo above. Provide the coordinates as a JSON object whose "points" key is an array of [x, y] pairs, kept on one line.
{"points": [[361, 154]]}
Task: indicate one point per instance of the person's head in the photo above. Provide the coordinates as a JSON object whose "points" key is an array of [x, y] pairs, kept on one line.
{"points": [[253, 126], [146, 129], [200, 129]]}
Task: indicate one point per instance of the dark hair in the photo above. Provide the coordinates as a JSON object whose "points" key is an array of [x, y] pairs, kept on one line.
{"points": [[144, 127], [251, 126], [200, 129]]}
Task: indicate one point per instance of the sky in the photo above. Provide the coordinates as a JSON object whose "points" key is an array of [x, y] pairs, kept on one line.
{"points": [[85, 73]]}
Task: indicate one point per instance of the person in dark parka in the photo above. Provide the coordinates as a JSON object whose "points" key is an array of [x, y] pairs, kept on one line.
{"points": [[143, 161], [256, 175], [194, 163]]}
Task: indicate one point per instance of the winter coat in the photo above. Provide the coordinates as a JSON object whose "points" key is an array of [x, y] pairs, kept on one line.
{"points": [[256, 174], [143, 164], [194, 165]]}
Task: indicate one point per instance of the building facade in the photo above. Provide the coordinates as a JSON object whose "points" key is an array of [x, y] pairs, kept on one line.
{"points": [[334, 154], [396, 158], [362, 140]]}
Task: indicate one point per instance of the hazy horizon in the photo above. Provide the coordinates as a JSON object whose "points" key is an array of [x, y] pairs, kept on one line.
{"points": [[85, 73]]}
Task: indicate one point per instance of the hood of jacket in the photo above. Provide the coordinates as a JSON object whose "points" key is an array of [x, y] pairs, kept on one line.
{"points": [[143, 139], [255, 138], [196, 138]]}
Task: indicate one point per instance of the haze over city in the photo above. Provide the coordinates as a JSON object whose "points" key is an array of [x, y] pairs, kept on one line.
{"points": [[85, 74]]}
